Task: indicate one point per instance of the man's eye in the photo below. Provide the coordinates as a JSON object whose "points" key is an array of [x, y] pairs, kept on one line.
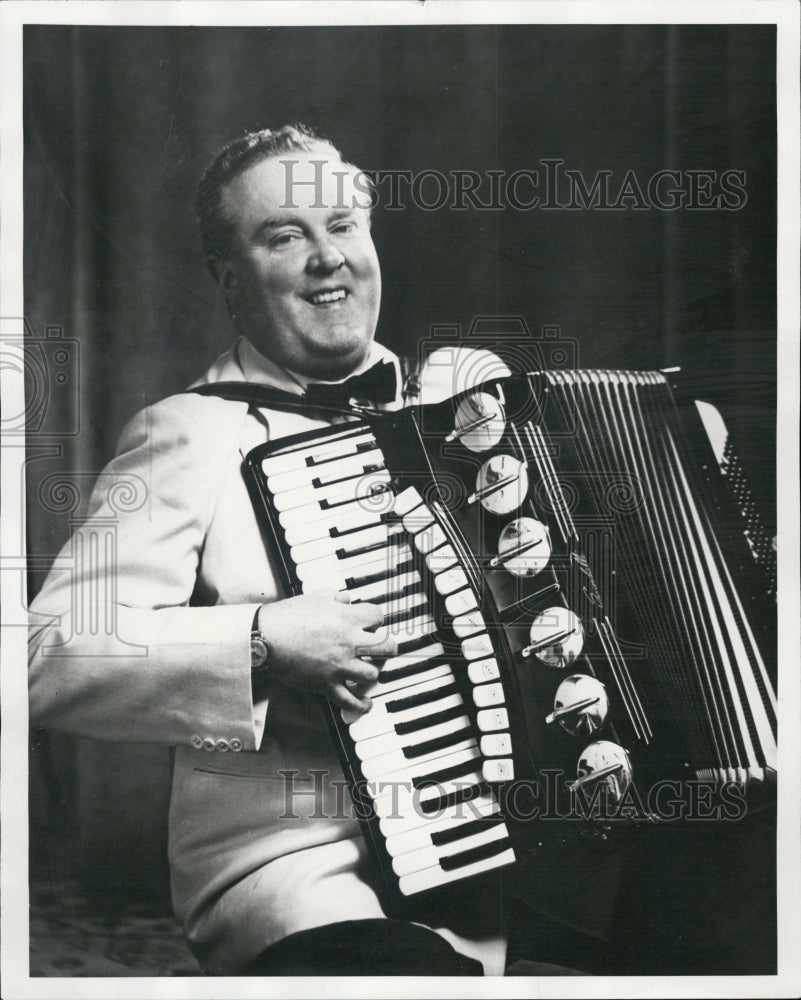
{"points": [[283, 239], [345, 227]]}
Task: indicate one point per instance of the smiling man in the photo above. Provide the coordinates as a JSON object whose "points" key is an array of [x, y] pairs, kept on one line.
{"points": [[208, 656]]}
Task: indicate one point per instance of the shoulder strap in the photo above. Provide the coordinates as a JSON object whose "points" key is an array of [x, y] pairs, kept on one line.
{"points": [[273, 399]]}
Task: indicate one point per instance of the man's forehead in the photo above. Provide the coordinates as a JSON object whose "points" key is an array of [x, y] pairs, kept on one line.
{"points": [[317, 180]]}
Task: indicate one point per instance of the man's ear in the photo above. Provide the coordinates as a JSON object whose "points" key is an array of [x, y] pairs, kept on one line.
{"points": [[222, 271]]}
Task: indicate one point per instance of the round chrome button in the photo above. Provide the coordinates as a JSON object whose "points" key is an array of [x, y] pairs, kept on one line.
{"points": [[480, 422], [557, 637], [524, 547], [580, 705]]}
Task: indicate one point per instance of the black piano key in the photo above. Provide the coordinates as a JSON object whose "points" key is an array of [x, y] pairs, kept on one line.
{"points": [[327, 505], [392, 541], [469, 857], [411, 645], [446, 774], [354, 582], [396, 595], [404, 728], [424, 698], [439, 743], [466, 794], [318, 484], [418, 667], [453, 833], [344, 532]]}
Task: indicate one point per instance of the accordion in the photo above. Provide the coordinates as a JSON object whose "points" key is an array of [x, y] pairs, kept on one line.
{"points": [[573, 599]]}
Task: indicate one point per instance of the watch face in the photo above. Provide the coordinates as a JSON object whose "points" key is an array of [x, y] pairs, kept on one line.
{"points": [[258, 652]]}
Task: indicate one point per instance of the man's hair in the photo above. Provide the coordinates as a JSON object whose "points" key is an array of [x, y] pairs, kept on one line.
{"points": [[215, 229]]}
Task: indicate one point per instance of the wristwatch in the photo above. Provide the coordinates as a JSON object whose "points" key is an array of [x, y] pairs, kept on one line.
{"points": [[259, 649]]}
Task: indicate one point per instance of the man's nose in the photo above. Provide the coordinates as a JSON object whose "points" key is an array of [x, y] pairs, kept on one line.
{"points": [[326, 256]]}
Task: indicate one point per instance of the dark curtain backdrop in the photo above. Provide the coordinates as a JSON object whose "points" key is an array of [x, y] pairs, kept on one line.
{"points": [[119, 122]]}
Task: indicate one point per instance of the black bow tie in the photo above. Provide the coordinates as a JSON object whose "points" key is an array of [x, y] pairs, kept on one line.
{"points": [[377, 385]]}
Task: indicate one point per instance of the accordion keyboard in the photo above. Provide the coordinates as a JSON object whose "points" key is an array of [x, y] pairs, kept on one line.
{"points": [[436, 739]]}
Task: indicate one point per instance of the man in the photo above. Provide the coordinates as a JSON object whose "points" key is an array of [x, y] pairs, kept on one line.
{"points": [[263, 883]]}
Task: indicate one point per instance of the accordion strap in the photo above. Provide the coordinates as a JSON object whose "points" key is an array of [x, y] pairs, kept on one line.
{"points": [[271, 398]]}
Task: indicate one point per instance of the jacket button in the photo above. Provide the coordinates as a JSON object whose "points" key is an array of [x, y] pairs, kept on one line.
{"points": [[223, 745], [209, 744], [197, 742], [236, 744]]}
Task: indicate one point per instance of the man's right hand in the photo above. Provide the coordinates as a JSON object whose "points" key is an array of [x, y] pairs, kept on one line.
{"points": [[314, 640]]}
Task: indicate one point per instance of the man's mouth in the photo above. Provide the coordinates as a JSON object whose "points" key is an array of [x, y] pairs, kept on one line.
{"points": [[328, 296]]}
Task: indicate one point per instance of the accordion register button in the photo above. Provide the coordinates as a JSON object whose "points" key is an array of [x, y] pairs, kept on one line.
{"points": [[461, 602], [477, 647], [429, 538], [607, 763], [580, 705], [490, 720], [498, 770], [480, 422], [485, 695], [441, 559], [501, 484], [524, 547], [407, 500], [557, 637], [467, 625], [483, 670], [450, 581], [496, 745]]}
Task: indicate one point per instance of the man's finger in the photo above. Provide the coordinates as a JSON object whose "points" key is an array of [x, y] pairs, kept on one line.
{"points": [[344, 698]]}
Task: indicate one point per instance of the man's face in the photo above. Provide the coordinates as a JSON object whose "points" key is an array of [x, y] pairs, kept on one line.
{"points": [[303, 274]]}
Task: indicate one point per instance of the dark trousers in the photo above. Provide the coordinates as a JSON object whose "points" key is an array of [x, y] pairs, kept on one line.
{"points": [[363, 948]]}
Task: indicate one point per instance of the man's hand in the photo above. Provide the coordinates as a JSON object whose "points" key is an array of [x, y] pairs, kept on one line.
{"points": [[316, 641]]}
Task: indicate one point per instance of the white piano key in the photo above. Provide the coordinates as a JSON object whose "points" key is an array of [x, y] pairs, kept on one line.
{"points": [[415, 628], [343, 569], [452, 819], [462, 602], [388, 740], [498, 770], [480, 671], [450, 580], [369, 496], [430, 878], [429, 857], [438, 675], [407, 500], [357, 515], [318, 548], [430, 538], [342, 446], [469, 624], [441, 559], [333, 494], [339, 468], [496, 745], [490, 720], [477, 647], [396, 799], [404, 813], [405, 603], [384, 687], [450, 757], [406, 659], [376, 768], [378, 720], [486, 695]]}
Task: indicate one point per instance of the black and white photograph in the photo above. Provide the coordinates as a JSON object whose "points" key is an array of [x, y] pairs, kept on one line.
{"points": [[400, 499]]}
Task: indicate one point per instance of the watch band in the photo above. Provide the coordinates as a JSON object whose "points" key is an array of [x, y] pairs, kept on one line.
{"points": [[259, 649]]}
